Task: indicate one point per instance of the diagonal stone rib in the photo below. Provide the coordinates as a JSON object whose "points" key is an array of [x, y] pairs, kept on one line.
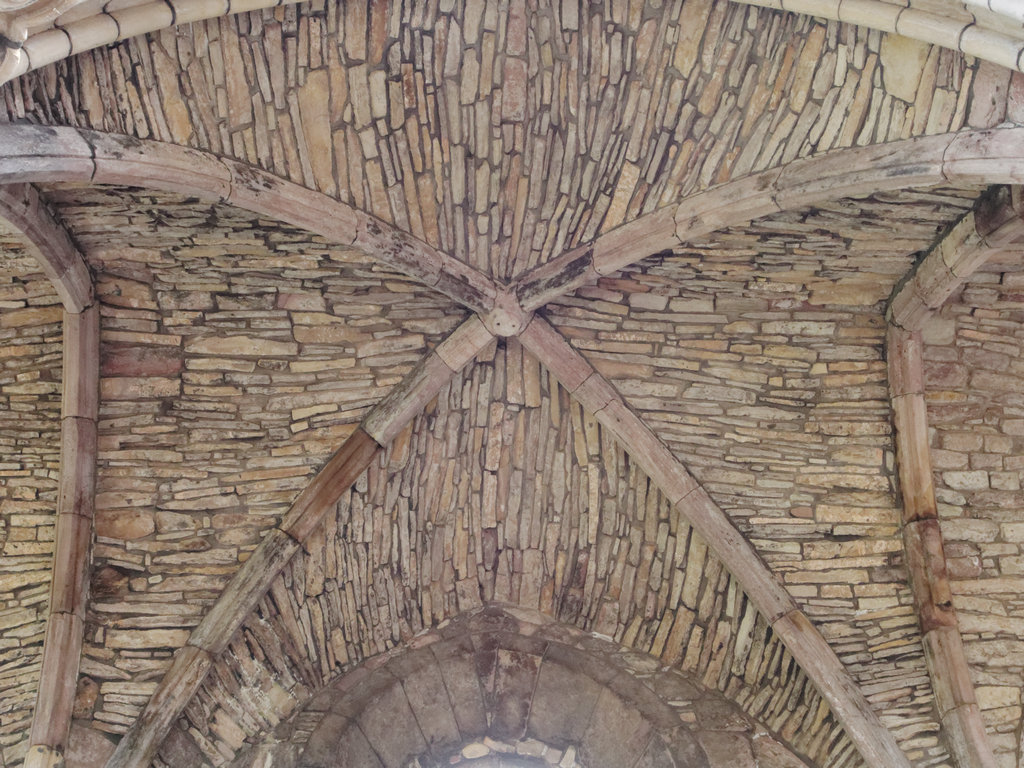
{"points": [[875, 743], [37, 154], [191, 664], [23, 210], [993, 156]]}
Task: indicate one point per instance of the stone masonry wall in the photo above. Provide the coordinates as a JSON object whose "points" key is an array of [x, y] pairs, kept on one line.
{"points": [[236, 356], [974, 373], [758, 357], [30, 387]]}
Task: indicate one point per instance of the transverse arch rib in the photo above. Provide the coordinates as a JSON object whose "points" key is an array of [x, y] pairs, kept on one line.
{"points": [[109, 26], [928, 27], [43, 154]]}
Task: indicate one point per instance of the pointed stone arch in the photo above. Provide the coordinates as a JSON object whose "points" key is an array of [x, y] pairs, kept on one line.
{"points": [[445, 699], [43, 154]]}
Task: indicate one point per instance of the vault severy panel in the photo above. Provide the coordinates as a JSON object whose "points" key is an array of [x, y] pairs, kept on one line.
{"points": [[236, 354], [758, 358], [420, 540], [30, 390], [761, 348], [972, 374], [506, 136]]}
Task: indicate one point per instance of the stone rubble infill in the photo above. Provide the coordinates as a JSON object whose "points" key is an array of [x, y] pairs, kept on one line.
{"points": [[252, 348]]}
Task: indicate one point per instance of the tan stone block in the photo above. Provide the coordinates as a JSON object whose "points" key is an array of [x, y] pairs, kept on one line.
{"points": [[124, 523], [138, 388], [902, 60], [141, 639], [22, 318], [240, 346]]}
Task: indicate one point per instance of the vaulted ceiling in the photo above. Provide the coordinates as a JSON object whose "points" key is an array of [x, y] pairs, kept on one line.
{"points": [[511, 383]]}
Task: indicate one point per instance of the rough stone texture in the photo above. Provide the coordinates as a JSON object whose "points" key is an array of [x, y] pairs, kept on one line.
{"points": [[758, 357], [504, 140], [30, 369], [238, 353], [973, 379], [641, 714], [245, 334], [408, 550]]}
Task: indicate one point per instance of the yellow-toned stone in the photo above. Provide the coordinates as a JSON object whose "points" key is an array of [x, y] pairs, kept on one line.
{"points": [[903, 60]]}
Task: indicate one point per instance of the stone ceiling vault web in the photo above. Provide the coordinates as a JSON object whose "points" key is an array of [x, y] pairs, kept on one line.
{"points": [[523, 164]]}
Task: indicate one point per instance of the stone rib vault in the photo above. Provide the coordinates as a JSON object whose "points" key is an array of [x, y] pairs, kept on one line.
{"points": [[511, 383]]}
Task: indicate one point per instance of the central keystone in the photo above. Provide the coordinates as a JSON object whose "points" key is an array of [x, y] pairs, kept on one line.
{"points": [[508, 318]]}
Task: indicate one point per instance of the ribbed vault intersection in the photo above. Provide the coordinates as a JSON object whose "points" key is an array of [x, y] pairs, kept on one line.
{"points": [[318, 304]]}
